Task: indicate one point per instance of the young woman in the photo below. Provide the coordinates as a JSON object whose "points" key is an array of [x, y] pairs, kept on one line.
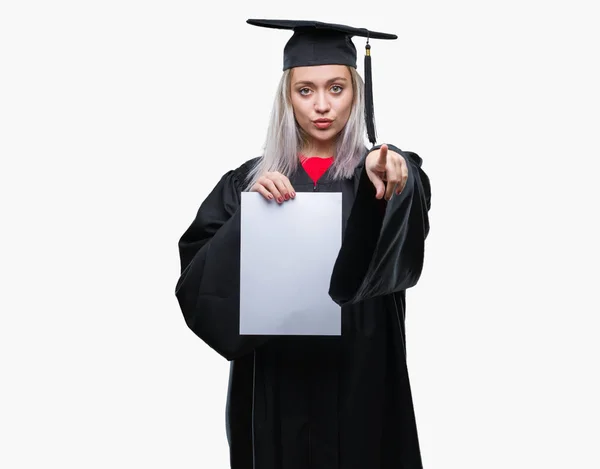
{"points": [[318, 402]]}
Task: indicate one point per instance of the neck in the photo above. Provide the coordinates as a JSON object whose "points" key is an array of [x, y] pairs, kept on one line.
{"points": [[319, 149]]}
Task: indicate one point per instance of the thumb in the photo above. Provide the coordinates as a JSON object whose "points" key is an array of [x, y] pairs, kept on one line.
{"points": [[379, 187]]}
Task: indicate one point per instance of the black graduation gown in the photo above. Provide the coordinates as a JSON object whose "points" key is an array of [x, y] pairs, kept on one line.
{"points": [[316, 402]]}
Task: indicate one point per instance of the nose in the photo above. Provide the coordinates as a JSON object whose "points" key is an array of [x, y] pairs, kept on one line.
{"points": [[321, 103]]}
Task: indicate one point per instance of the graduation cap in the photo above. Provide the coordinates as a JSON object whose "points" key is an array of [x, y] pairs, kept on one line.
{"points": [[317, 43]]}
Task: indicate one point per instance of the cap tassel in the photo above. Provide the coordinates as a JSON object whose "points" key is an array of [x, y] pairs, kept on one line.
{"points": [[369, 111]]}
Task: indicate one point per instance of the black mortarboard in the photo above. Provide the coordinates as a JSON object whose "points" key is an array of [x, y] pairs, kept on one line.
{"points": [[316, 43]]}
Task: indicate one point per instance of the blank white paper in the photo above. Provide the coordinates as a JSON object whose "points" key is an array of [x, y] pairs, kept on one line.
{"points": [[287, 254]]}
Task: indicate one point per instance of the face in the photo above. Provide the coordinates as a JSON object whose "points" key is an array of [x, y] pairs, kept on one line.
{"points": [[322, 100]]}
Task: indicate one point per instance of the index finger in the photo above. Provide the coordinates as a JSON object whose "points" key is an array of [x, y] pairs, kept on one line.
{"points": [[383, 154]]}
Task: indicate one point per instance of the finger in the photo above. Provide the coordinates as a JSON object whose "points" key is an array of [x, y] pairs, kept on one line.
{"points": [[404, 178], [283, 184], [390, 189], [289, 187], [283, 189], [393, 176], [392, 183], [379, 187], [263, 191], [382, 155], [398, 169], [270, 186]]}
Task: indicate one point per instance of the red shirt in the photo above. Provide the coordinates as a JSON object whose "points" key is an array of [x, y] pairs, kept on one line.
{"points": [[315, 167]]}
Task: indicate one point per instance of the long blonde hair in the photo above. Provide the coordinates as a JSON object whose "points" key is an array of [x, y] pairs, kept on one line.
{"points": [[285, 138]]}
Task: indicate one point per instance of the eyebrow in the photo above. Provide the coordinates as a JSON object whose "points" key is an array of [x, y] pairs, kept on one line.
{"points": [[328, 81]]}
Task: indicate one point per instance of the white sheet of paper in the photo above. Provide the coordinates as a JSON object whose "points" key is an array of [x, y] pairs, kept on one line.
{"points": [[287, 254]]}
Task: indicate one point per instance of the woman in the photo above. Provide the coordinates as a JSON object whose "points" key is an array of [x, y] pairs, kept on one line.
{"points": [[318, 402]]}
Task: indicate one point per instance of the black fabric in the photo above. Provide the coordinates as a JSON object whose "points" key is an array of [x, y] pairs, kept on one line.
{"points": [[369, 106], [319, 25], [318, 43], [317, 402], [388, 257], [207, 291], [318, 47]]}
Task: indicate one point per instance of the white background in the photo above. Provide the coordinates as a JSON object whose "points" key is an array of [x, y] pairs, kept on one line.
{"points": [[118, 117]]}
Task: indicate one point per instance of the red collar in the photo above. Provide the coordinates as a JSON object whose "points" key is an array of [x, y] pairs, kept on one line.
{"points": [[315, 166]]}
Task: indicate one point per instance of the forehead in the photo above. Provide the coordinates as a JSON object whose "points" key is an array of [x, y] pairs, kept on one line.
{"points": [[318, 73]]}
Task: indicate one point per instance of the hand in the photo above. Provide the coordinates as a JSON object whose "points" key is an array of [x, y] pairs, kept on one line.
{"points": [[388, 172], [274, 185]]}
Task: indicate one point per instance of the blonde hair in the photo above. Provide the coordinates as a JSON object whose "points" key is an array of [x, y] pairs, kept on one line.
{"points": [[285, 138]]}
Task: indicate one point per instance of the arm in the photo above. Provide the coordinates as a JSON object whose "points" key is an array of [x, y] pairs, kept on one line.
{"points": [[383, 247], [208, 289]]}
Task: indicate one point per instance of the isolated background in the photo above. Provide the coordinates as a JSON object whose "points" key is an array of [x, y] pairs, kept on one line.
{"points": [[118, 117]]}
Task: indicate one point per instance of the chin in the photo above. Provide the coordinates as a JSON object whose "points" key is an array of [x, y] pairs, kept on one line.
{"points": [[324, 136]]}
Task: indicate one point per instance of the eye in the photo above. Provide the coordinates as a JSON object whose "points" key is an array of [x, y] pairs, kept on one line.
{"points": [[337, 89], [304, 91]]}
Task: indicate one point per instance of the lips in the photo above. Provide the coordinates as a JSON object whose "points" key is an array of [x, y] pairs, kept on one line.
{"points": [[322, 123]]}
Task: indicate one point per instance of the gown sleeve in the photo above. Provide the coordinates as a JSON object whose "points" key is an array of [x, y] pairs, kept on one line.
{"points": [[383, 246], [208, 289]]}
